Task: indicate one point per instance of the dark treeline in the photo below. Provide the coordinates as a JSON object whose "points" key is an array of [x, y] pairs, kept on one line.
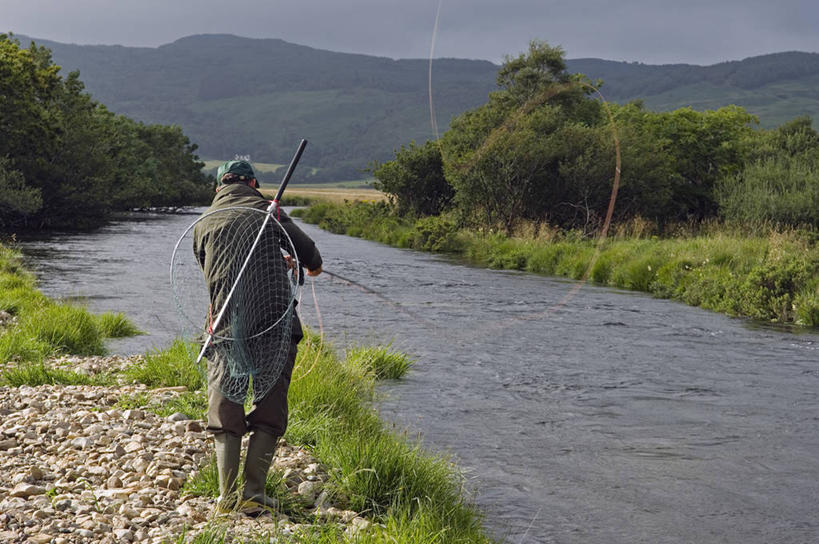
{"points": [[66, 161], [542, 150]]}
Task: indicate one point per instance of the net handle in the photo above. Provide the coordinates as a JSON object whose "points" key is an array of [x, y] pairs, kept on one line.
{"points": [[290, 169]]}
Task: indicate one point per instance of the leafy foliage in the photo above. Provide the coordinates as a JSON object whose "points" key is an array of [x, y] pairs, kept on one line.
{"points": [[65, 160], [779, 183], [415, 180], [542, 151]]}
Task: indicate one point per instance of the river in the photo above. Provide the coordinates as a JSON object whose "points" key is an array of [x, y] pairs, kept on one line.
{"points": [[611, 418]]}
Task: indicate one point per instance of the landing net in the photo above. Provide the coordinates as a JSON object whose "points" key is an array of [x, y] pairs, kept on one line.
{"points": [[231, 262]]}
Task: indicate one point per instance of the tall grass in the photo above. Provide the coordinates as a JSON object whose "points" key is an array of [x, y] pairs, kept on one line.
{"points": [[381, 361], [782, 190], [116, 325]]}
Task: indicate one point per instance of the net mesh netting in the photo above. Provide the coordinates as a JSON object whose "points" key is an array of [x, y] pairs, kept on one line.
{"points": [[238, 286]]}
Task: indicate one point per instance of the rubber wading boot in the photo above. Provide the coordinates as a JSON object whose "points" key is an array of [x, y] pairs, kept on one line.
{"points": [[228, 449], [260, 449]]}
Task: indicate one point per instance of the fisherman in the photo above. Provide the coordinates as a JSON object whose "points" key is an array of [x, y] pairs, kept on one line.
{"points": [[267, 421]]}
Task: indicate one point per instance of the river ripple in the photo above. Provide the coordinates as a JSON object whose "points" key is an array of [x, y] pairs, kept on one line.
{"points": [[614, 418]]}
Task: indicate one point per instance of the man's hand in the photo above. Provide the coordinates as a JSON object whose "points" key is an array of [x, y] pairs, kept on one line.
{"points": [[315, 272]]}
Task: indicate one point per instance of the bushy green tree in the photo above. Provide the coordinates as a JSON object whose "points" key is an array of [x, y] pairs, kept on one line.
{"points": [[69, 162], [544, 149], [15, 197], [703, 148], [414, 180], [527, 153]]}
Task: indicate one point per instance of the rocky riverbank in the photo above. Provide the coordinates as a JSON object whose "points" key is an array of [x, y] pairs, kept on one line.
{"points": [[75, 467]]}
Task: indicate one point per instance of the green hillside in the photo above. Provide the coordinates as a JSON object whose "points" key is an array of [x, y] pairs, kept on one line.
{"points": [[776, 88], [258, 97]]}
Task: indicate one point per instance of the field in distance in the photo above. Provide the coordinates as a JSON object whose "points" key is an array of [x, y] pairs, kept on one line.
{"points": [[328, 192]]}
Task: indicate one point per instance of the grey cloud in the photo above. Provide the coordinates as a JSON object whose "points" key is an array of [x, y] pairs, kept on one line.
{"points": [[657, 31]]}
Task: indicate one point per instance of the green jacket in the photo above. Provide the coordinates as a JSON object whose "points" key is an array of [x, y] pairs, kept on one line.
{"points": [[211, 251]]}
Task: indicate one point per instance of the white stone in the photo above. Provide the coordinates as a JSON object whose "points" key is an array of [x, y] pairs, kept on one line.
{"points": [[122, 535], [309, 490], [82, 443], [25, 490], [133, 414]]}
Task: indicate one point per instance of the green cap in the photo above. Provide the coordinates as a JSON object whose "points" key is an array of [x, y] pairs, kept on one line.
{"points": [[242, 169]]}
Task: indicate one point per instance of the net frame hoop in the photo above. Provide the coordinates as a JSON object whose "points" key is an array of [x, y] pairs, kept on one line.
{"points": [[270, 216]]}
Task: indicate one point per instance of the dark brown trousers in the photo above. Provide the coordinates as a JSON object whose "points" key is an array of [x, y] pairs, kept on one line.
{"points": [[269, 415]]}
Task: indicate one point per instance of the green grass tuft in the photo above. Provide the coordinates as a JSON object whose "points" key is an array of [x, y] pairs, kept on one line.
{"points": [[116, 326], [384, 363], [173, 367], [65, 328], [34, 374]]}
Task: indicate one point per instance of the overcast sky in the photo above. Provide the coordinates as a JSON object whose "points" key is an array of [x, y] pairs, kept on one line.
{"points": [[656, 32]]}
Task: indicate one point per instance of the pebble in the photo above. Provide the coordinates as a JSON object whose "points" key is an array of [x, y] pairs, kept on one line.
{"points": [[76, 469], [26, 490]]}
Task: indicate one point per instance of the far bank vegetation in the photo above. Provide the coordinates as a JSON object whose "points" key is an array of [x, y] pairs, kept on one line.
{"points": [[68, 162], [710, 209]]}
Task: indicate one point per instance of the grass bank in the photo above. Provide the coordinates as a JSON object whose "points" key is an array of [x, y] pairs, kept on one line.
{"points": [[33, 327], [772, 276], [412, 496]]}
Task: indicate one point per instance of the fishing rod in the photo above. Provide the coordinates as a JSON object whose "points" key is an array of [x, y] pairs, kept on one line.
{"points": [[274, 206], [293, 162]]}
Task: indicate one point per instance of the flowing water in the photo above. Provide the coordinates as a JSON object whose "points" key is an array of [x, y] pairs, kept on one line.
{"points": [[611, 418]]}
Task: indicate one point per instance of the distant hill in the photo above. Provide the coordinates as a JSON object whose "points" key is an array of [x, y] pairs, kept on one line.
{"points": [[256, 97], [776, 88], [236, 95]]}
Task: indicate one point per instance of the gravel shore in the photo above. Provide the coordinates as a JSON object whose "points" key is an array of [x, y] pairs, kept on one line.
{"points": [[75, 468]]}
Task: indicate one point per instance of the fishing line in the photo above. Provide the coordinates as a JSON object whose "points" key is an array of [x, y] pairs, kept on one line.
{"points": [[432, 119], [397, 305], [321, 333]]}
